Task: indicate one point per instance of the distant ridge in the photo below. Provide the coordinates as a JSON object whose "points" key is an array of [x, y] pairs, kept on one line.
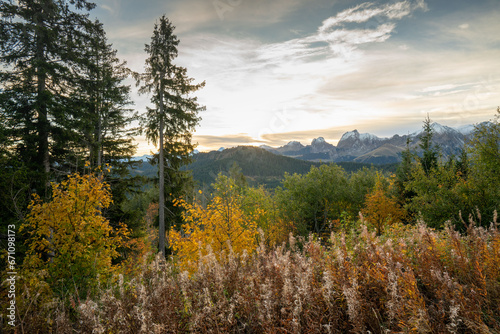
{"points": [[370, 149], [259, 166], [267, 165]]}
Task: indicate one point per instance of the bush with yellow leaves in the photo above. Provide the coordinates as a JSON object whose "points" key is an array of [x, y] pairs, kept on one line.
{"points": [[223, 226], [70, 239], [381, 209]]}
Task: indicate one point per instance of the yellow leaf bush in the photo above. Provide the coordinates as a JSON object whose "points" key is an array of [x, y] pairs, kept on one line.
{"points": [[69, 236], [222, 227], [380, 209]]}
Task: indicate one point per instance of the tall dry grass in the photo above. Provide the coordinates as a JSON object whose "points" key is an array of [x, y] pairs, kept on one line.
{"points": [[411, 279]]}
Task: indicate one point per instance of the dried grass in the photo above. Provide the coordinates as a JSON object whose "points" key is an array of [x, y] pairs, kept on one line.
{"points": [[411, 279]]}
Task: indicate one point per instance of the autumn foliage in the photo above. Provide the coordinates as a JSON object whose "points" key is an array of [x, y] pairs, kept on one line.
{"points": [[381, 209], [232, 270], [70, 239], [222, 227], [412, 279], [225, 279]]}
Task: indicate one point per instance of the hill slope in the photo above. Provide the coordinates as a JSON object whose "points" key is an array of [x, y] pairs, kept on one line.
{"points": [[258, 165], [384, 154]]}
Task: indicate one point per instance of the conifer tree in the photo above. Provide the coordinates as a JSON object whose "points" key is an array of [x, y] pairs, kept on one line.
{"points": [[105, 129], [40, 48], [404, 175], [429, 159], [63, 102], [174, 116], [484, 150], [104, 132]]}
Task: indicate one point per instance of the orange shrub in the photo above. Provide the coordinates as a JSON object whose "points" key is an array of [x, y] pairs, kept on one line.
{"points": [[381, 209]]}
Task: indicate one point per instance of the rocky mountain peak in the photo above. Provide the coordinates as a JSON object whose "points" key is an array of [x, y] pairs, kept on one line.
{"points": [[295, 145], [368, 148], [317, 141], [353, 135], [319, 145], [292, 146], [358, 140]]}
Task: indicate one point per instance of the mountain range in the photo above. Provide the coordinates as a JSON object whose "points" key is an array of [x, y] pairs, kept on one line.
{"points": [[267, 165], [368, 148]]}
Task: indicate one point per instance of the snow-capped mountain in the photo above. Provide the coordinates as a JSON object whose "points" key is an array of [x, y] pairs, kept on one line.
{"points": [[319, 145], [356, 136], [437, 130], [292, 146], [369, 148], [358, 143]]}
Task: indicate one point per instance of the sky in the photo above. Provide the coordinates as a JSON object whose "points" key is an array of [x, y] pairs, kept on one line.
{"points": [[283, 70]]}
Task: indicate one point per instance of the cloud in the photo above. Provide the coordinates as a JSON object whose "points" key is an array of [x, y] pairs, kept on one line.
{"points": [[210, 142], [439, 88], [249, 82], [108, 8], [344, 41], [368, 10], [379, 26], [347, 71], [331, 36], [111, 6], [195, 15]]}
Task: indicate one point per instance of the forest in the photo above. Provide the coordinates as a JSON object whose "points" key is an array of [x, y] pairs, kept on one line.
{"points": [[88, 246]]}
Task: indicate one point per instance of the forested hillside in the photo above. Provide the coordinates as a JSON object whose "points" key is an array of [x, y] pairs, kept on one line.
{"points": [[259, 166]]}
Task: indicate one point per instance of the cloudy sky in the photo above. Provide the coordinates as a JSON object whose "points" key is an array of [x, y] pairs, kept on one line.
{"points": [[282, 70]]}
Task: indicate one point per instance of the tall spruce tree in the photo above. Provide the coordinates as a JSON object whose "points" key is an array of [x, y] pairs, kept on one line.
{"points": [[104, 132], [40, 58], [105, 129], [40, 48], [62, 101], [404, 176], [169, 124]]}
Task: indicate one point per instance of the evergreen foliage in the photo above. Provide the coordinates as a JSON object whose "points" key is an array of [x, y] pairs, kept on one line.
{"points": [[429, 158], [62, 103], [484, 152], [41, 47], [105, 132], [170, 123]]}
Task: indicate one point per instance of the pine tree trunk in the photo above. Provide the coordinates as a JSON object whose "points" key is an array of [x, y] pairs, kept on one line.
{"points": [[162, 180], [99, 112], [43, 128], [41, 106], [99, 142]]}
